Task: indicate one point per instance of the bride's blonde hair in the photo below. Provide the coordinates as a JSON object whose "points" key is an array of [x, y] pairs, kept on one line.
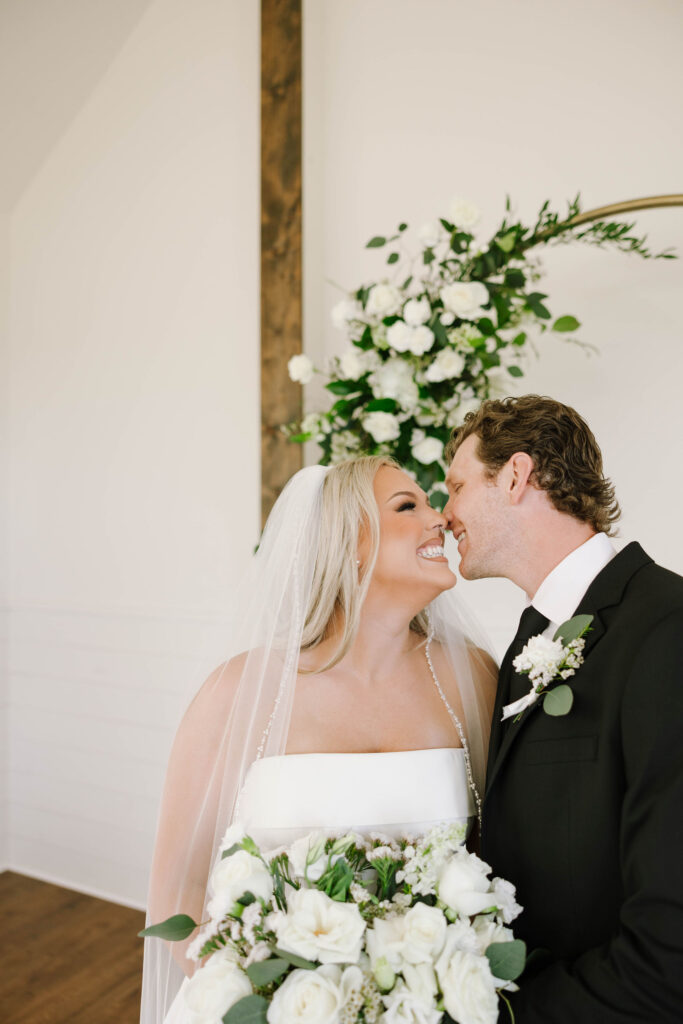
{"points": [[340, 585]]}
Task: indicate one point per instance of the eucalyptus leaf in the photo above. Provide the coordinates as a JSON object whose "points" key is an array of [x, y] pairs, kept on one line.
{"points": [[566, 323], [377, 242], [558, 702], [250, 1010], [573, 628], [507, 959], [294, 960], [173, 929], [267, 971]]}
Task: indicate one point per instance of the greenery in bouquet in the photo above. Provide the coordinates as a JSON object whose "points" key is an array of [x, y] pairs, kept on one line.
{"points": [[446, 327], [339, 930]]}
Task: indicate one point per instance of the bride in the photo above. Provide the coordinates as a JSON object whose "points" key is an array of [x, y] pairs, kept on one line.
{"points": [[359, 701]]}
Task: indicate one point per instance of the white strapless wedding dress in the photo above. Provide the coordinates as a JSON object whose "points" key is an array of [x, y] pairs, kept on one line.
{"points": [[403, 792]]}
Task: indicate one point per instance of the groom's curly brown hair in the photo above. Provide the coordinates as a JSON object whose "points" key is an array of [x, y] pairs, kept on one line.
{"points": [[567, 459]]}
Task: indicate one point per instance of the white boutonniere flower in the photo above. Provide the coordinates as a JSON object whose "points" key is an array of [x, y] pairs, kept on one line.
{"points": [[546, 662]]}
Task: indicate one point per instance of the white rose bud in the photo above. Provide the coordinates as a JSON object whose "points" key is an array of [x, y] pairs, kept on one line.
{"points": [[383, 300], [308, 997], [300, 369], [382, 426], [319, 928], [465, 299], [463, 214], [213, 989], [463, 884], [416, 312], [232, 877]]}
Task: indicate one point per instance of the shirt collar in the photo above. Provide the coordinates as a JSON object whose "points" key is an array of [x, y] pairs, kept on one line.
{"points": [[560, 592]]}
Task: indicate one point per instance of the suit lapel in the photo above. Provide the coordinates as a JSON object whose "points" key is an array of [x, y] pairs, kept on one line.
{"points": [[606, 590]]}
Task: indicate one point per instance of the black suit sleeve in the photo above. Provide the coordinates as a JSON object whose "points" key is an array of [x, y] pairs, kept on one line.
{"points": [[638, 975]]}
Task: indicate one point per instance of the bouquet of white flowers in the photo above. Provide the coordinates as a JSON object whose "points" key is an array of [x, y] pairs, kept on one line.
{"points": [[335, 930]]}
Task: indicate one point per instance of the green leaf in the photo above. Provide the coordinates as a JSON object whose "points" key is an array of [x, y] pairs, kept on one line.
{"points": [[238, 846], [519, 339], [342, 387], [382, 405], [566, 323], [515, 371], [393, 257], [515, 278], [250, 1010], [573, 628], [246, 899], [558, 702], [446, 224], [507, 241], [377, 242], [173, 929], [407, 282], [428, 256], [295, 439], [486, 327], [294, 960], [507, 959], [267, 971], [402, 226], [534, 303]]}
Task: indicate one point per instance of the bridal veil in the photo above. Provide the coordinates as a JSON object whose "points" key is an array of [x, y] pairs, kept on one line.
{"points": [[243, 711]]}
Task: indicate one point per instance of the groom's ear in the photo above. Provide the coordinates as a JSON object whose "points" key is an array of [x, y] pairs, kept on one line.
{"points": [[518, 472]]}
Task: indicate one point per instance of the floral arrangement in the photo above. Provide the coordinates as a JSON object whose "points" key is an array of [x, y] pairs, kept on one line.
{"points": [[546, 661], [448, 328], [342, 930]]}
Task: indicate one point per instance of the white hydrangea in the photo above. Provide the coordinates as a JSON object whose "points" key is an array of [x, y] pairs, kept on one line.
{"points": [[417, 311], [465, 299], [300, 369], [447, 364], [463, 214], [382, 426], [383, 300]]}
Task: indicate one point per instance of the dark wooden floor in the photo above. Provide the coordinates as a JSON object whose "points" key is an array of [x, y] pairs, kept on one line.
{"points": [[66, 957]]}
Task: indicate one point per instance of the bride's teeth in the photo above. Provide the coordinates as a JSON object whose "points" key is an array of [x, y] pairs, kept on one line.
{"points": [[434, 552]]}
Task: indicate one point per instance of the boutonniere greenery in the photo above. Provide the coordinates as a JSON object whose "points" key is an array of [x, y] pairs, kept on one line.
{"points": [[546, 661]]}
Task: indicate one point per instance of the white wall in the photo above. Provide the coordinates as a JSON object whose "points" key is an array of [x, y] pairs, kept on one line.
{"points": [[410, 102], [132, 378]]}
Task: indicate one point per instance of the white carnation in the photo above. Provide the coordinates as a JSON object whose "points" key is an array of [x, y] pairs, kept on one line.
{"points": [[463, 884], [213, 989], [424, 933], [382, 426], [464, 299], [383, 300], [232, 877], [504, 894], [463, 214], [416, 312], [308, 997], [541, 658], [447, 364], [300, 369], [405, 1007], [319, 928]]}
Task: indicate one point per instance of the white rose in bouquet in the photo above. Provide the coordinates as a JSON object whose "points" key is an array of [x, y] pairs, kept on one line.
{"points": [[457, 415], [232, 877], [394, 379], [488, 931], [308, 997], [421, 340], [465, 299], [468, 987], [417, 312], [463, 884], [352, 364], [300, 369], [403, 1006], [213, 989], [383, 300], [504, 897], [384, 942], [424, 933], [319, 928], [382, 426], [426, 449], [421, 980], [343, 312], [399, 336], [447, 364], [463, 214]]}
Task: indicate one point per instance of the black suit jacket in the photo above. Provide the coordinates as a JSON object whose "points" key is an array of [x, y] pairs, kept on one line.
{"points": [[584, 814]]}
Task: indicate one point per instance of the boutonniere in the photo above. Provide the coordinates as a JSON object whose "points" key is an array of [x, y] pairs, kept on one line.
{"points": [[546, 661]]}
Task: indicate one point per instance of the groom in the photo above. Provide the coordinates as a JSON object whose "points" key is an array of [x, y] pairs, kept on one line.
{"points": [[583, 812]]}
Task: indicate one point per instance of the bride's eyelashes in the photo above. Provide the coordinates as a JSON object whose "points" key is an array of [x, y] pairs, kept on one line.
{"points": [[406, 505]]}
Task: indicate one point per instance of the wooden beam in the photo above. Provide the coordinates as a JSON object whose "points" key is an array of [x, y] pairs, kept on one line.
{"points": [[281, 314]]}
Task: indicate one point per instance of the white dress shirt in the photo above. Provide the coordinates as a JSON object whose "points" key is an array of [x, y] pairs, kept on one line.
{"points": [[561, 591]]}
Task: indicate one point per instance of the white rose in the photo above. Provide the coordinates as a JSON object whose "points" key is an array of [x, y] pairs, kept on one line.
{"points": [[383, 300], [421, 340], [343, 312], [394, 379], [382, 426], [465, 299], [463, 214], [424, 933], [463, 884], [428, 450], [430, 233], [232, 877], [504, 894], [447, 319], [468, 987], [384, 941], [352, 363], [213, 989], [404, 1007], [233, 834], [319, 928], [488, 931], [298, 854], [300, 369], [308, 997], [421, 980], [399, 336], [416, 312], [447, 364]]}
